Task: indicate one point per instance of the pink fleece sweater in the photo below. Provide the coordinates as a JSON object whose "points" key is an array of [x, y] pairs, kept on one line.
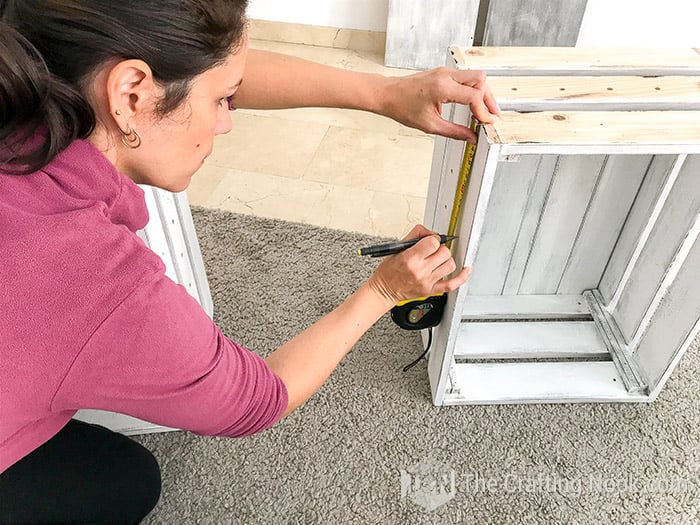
{"points": [[88, 318]]}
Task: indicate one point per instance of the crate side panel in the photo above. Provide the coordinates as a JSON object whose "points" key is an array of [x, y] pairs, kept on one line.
{"points": [[677, 314], [674, 222], [567, 201], [509, 200], [644, 202], [611, 202]]}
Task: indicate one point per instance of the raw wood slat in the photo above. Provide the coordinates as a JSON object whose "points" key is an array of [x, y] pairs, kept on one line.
{"points": [[512, 60], [596, 127], [630, 93]]}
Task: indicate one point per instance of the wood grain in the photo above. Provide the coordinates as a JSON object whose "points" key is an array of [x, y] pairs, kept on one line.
{"points": [[503, 61], [597, 127], [556, 93]]}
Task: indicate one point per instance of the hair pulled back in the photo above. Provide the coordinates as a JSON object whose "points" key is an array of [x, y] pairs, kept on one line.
{"points": [[51, 49]]}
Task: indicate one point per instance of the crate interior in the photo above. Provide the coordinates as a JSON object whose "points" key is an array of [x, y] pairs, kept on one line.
{"points": [[571, 257]]}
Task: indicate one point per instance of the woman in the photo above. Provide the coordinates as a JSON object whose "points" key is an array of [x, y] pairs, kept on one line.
{"points": [[95, 97]]}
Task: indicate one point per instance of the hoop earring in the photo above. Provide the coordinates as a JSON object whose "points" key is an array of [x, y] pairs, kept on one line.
{"points": [[131, 139]]}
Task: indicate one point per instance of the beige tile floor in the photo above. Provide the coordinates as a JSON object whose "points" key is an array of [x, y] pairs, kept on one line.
{"points": [[344, 169]]}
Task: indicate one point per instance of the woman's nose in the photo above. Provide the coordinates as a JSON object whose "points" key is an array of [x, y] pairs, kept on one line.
{"points": [[223, 121]]}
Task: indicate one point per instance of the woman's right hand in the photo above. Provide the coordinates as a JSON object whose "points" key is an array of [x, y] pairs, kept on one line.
{"points": [[418, 271]]}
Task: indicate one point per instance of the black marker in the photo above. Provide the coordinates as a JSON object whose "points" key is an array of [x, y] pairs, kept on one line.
{"points": [[382, 250]]}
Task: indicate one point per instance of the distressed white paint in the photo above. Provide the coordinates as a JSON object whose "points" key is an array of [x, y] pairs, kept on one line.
{"points": [[509, 340], [637, 226], [533, 22], [505, 214], [485, 161], [663, 191], [675, 316], [119, 422], [419, 32], [170, 233], [567, 201], [580, 209], [606, 214], [677, 265], [667, 235], [526, 307], [564, 382]]}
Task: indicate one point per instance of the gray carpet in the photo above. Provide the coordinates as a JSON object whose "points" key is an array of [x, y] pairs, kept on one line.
{"points": [[343, 456]]}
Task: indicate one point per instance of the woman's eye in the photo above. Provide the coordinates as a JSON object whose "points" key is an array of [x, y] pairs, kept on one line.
{"points": [[227, 102]]}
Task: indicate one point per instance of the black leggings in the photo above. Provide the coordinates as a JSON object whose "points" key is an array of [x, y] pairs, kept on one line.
{"points": [[84, 474]]}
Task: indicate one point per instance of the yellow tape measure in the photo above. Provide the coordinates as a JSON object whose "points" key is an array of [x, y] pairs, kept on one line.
{"points": [[462, 181], [424, 312]]}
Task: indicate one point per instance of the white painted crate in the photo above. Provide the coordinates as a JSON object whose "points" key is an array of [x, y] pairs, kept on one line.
{"points": [[581, 227]]}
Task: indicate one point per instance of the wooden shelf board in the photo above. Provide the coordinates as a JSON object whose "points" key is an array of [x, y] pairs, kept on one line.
{"points": [[566, 382], [597, 128], [530, 340], [633, 93], [578, 60], [480, 307]]}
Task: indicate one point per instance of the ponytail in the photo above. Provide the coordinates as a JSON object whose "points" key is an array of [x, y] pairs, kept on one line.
{"points": [[39, 114]]}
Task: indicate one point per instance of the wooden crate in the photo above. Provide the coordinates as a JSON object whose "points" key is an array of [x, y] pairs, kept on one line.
{"points": [[581, 224]]}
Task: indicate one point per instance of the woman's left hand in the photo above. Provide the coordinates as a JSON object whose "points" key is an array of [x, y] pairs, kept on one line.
{"points": [[416, 100]]}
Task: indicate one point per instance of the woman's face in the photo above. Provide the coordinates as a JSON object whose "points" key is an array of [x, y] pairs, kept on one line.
{"points": [[173, 147]]}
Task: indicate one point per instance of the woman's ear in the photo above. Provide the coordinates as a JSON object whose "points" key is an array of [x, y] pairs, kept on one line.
{"points": [[130, 90]]}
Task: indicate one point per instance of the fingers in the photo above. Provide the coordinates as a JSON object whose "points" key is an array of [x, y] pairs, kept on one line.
{"points": [[426, 265], [447, 285], [490, 101], [418, 231], [428, 246], [452, 130], [442, 264], [470, 88]]}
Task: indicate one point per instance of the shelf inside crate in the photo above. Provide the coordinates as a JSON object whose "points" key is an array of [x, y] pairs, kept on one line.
{"points": [[536, 348], [530, 340], [546, 382]]}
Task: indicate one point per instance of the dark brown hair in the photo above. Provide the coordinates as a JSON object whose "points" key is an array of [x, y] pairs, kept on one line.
{"points": [[50, 50]]}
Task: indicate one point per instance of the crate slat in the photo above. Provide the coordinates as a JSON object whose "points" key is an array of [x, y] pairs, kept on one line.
{"points": [[568, 382], [530, 340], [526, 307]]}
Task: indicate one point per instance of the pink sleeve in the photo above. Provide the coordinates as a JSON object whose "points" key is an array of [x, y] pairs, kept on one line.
{"points": [[160, 358]]}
